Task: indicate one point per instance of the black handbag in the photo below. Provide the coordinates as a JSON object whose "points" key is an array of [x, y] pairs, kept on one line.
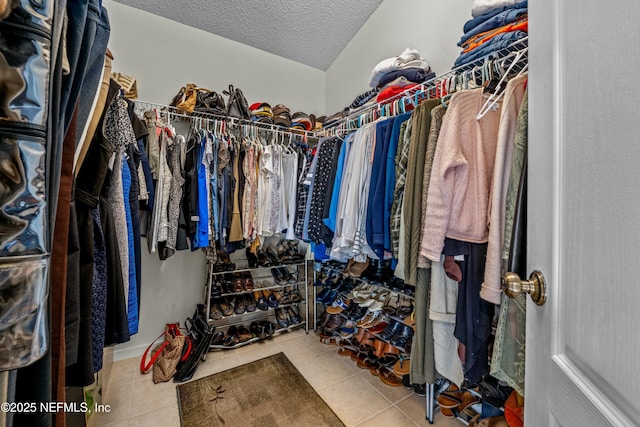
{"points": [[210, 102], [237, 106]]}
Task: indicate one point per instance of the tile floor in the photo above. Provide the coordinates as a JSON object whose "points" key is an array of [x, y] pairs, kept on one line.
{"points": [[357, 397]]}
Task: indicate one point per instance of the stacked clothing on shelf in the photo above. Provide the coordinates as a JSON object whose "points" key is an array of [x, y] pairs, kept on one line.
{"points": [[389, 78], [500, 24], [261, 112]]}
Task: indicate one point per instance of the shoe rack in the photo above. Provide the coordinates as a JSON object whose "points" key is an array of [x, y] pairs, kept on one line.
{"points": [[250, 304], [370, 320]]}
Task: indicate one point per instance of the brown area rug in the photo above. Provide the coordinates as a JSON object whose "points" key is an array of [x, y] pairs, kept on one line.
{"points": [[267, 392]]}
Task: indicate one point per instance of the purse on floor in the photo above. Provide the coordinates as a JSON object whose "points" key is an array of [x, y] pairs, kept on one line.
{"points": [[166, 356]]}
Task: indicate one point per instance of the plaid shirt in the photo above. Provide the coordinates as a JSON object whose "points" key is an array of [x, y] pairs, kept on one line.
{"points": [[402, 158]]}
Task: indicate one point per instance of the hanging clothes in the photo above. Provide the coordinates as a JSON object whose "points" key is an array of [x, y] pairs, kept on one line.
{"points": [[290, 185], [508, 359], [513, 96]]}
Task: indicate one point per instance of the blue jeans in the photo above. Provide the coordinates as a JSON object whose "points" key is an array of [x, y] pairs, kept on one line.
{"points": [[500, 20], [500, 41], [472, 23]]}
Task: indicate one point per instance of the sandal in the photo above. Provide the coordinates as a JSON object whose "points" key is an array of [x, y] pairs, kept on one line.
{"points": [[404, 310], [388, 377], [402, 366], [450, 398]]}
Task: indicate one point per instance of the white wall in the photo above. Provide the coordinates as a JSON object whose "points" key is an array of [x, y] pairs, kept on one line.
{"points": [[163, 56], [431, 26]]}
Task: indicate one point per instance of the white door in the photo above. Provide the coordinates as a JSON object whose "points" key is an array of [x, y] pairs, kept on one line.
{"points": [[583, 346]]}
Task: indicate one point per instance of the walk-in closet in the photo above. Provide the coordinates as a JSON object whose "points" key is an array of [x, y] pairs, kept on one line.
{"points": [[358, 213]]}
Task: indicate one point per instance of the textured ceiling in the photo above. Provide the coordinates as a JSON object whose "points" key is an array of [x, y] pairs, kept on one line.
{"points": [[312, 32]]}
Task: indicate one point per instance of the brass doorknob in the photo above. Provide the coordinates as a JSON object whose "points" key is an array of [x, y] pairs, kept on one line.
{"points": [[536, 286]]}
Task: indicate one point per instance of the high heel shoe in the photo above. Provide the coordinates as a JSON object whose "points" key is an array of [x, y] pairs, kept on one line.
{"points": [[252, 259]]}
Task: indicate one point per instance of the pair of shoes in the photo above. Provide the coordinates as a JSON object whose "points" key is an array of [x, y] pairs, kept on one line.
{"points": [[244, 303], [236, 335], [271, 297], [355, 269], [261, 300], [262, 329], [263, 260], [215, 312], [291, 296], [454, 403], [223, 263], [242, 282], [288, 316], [282, 276]]}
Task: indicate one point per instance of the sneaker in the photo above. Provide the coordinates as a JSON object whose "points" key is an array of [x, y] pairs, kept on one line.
{"points": [[420, 389]]}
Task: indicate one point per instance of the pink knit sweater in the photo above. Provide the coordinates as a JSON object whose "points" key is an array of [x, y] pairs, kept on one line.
{"points": [[458, 197]]}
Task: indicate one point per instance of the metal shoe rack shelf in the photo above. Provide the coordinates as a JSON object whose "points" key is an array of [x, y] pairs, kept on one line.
{"points": [[261, 275], [376, 284]]}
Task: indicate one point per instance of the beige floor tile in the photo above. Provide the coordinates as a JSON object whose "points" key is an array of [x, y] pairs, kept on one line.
{"points": [[148, 396], [217, 364], [289, 335], [167, 416], [394, 394], [346, 360], [414, 407], [390, 417], [303, 347], [323, 370], [259, 350], [118, 398], [124, 371], [123, 423], [354, 400]]}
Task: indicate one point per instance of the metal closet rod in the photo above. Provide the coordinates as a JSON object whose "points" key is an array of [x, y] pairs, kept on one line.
{"points": [[175, 112], [513, 51]]}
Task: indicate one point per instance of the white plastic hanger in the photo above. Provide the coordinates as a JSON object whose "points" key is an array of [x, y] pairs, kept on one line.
{"points": [[499, 92]]}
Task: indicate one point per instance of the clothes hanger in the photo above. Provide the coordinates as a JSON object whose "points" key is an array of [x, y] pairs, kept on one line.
{"points": [[499, 92]]}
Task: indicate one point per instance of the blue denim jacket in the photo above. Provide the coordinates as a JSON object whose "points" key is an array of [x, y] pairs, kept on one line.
{"points": [[500, 20], [498, 42]]}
